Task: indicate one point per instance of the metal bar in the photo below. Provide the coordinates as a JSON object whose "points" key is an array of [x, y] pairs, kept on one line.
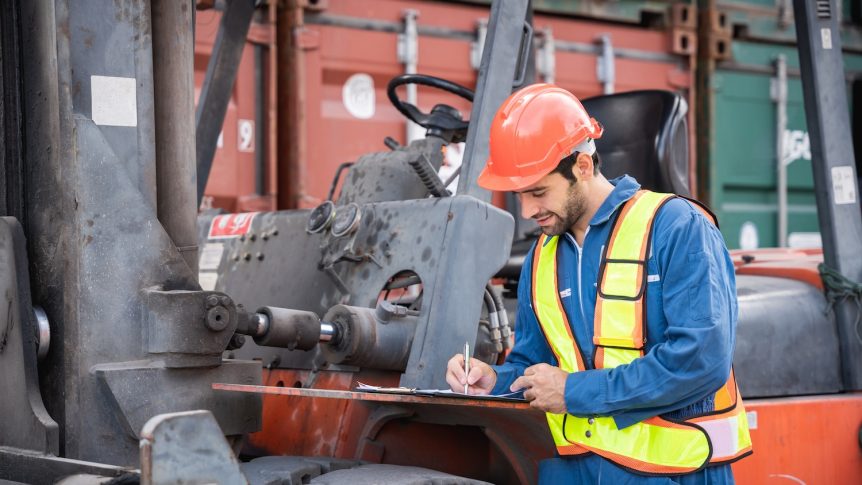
{"points": [[259, 121], [408, 54], [605, 69], [28, 467], [547, 58], [499, 61], [478, 43], [291, 121], [218, 84], [173, 79], [849, 76], [619, 53], [834, 166], [446, 33], [385, 26], [779, 95]]}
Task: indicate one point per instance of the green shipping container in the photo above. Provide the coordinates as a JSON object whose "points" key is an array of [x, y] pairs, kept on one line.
{"points": [[772, 21], [738, 153]]}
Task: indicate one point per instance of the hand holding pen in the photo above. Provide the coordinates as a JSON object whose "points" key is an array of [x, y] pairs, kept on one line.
{"points": [[471, 375]]}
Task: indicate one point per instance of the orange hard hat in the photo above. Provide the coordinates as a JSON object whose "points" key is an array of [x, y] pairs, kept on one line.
{"points": [[533, 130]]}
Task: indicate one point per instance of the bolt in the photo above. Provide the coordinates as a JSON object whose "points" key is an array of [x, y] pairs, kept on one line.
{"points": [[212, 300], [252, 237], [259, 256], [246, 256], [224, 300], [274, 232], [236, 342], [217, 318]]}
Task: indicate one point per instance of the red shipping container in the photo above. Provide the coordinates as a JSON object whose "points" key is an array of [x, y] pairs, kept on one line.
{"points": [[333, 68]]}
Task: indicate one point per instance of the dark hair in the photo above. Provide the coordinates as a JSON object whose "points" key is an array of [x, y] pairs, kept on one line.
{"points": [[564, 168]]}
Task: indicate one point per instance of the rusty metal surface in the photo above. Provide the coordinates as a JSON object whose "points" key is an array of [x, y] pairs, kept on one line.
{"points": [[503, 442]]}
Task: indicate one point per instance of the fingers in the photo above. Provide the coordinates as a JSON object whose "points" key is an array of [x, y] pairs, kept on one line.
{"points": [[523, 382], [455, 376]]}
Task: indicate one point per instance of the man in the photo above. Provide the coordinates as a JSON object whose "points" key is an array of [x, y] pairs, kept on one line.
{"points": [[627, 310]]}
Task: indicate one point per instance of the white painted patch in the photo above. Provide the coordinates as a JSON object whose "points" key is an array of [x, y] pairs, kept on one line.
{"points": [[804, 240], [826, 38], [653, 278], [208, 280], [357, 94], [566, 293], [211, 256], [843, 185], [245, 135], [114, 100], [751, 416], [748, 236]]}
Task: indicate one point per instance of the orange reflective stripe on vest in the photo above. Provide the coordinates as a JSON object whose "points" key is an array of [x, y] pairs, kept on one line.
{"points": [[656, 445]]}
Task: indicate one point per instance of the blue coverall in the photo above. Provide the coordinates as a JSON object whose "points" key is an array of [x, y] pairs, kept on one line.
{"points": [[691, 324]]}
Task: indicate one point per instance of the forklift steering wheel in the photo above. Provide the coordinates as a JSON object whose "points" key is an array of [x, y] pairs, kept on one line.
{"points": [[443, 118]]}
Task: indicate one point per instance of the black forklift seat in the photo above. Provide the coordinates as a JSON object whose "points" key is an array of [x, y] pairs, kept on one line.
{"points": [[646, 136]]}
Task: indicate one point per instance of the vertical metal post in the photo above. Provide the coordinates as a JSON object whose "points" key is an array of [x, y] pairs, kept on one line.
{"points": [[605, 69], [218, 83], [547, 60], [408, 54], [779, 95], [509, 38], [259, 122], [834, 165], [478, 45], [173, 77]]}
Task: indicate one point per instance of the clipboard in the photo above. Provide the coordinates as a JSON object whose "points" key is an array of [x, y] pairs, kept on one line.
{"points": [[509, 397]]}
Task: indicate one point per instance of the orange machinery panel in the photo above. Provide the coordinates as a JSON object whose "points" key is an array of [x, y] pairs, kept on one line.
{"points": [[334, 54], [806, 440]]}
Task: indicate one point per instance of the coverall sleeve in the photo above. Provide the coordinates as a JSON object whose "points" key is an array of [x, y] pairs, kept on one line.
{"points": [[694, 358], [530, 344]]}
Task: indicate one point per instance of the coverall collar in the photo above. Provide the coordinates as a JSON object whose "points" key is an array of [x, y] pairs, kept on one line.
{"points": [[625, 188]]}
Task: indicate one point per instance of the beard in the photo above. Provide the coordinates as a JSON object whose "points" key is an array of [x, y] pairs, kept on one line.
{"points": [[572, 211]]}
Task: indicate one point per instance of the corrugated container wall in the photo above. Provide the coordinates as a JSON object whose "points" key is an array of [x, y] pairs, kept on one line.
{"points": [[740, 108], [345, 53]]}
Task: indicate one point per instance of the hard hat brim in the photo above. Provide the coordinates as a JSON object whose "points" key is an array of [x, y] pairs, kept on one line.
{"points": [[491, 181]]}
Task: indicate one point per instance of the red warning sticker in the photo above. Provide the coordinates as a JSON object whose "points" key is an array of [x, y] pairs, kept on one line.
{"points": [[231, 225]]}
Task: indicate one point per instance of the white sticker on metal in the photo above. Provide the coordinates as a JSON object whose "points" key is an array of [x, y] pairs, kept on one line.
{"points": [[826, 37], [114, 101], [208, 280], [653, 278], [211, 256], [751, 416], [245, 135], [843, 185], [358, 95]]}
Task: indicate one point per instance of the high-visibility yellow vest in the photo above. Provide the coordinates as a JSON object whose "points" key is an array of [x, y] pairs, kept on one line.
{"points": [[656, 445]]}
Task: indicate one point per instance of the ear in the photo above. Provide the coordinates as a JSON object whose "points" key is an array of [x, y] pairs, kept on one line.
{"points": [[583, 167]]}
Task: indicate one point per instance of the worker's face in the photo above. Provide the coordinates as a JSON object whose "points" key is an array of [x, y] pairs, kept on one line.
{"points": [[554, 202]]}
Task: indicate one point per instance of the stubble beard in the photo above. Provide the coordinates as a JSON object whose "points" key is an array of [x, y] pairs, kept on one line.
{"points": [[573, 210]]}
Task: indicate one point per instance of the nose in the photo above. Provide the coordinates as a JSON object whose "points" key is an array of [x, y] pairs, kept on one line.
{"points": [[528, 207]]}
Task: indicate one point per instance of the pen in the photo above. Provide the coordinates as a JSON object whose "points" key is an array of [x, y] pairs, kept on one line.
{"points": [[466, 365]]}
